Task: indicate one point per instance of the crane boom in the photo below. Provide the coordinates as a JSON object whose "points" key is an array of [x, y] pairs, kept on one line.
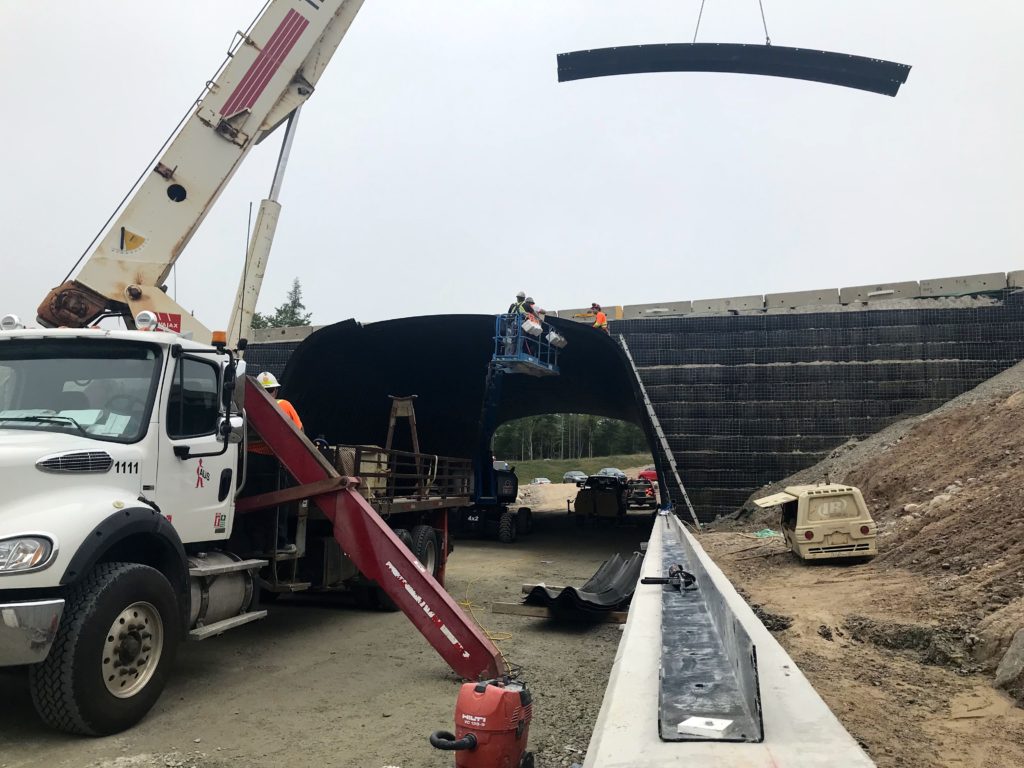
{"points": [[271, 71]]}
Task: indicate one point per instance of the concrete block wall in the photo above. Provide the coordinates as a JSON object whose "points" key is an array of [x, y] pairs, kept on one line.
{"points": [[746, 400]]}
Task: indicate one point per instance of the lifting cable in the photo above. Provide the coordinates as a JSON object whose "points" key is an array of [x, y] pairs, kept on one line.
{"points": [[697, 28], [764, 22], [767, 39]]}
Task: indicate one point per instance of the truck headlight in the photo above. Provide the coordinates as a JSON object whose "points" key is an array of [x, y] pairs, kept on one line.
{"points": [[24, 553]]}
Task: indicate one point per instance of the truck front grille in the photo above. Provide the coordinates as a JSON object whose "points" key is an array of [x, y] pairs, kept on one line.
{"points": [[80, 461]]}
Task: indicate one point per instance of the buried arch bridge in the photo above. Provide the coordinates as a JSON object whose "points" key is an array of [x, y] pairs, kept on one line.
{"points": [[340, 378]]}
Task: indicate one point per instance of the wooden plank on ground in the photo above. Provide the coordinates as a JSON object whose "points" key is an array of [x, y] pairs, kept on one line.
{"points": [[542, 612]]}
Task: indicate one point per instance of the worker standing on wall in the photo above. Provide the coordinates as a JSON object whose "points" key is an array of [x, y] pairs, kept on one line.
{"points": [[265, 470], [600, 318]]}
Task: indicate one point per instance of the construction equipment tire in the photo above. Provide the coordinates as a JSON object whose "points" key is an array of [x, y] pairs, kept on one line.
{"points": [[507, 528], [113, 651], [524, 521], [426, 549]]}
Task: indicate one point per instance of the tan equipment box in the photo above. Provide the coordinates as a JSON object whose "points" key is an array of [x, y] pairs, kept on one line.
{"points": [[825, 521], [601, 497]]}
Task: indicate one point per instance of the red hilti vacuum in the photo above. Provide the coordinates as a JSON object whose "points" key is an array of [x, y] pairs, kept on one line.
{"points": [[492, 722]]}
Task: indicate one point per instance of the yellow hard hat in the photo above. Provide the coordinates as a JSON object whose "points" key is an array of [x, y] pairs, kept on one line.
{"points": [[268, 380]]}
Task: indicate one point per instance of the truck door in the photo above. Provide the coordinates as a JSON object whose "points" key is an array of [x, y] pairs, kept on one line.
{"points": [[195, 491]]}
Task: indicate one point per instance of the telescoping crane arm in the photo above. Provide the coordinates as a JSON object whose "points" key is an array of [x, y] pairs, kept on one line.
{"points": [[271, 71]]}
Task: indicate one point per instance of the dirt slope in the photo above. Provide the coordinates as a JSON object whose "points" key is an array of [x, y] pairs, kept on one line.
{"points": [[904, 648]]}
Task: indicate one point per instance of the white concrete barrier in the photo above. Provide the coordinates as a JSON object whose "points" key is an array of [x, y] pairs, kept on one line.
{"points": [[799, 728]]}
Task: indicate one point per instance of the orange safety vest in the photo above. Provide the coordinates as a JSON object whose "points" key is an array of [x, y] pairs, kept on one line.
{"points": [[601, 321], [258, 446]]}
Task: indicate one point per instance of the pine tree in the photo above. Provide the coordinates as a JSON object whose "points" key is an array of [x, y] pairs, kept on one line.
{"points": [[287, 315]]}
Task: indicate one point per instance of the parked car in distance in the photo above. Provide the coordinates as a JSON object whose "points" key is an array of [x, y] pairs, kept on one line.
{"points": [[502, 466], [648, 473], [574, 476], [612, 472], [640, 493], [540, 481]]}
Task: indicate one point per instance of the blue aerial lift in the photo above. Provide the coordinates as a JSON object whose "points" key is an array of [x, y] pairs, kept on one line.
{"points": [[523, 345]]}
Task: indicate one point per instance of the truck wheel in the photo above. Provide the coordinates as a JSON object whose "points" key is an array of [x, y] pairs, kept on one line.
{"points": [[424, 546], [404, 536], [507, 528], [113, 651], [524, 521]]}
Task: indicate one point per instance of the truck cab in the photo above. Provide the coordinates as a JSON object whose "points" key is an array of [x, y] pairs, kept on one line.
{"points": [[116, 454], [825, 521]]}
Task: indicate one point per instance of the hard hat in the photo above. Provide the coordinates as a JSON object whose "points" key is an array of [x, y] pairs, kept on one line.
{"points": [[595, 305], [521, 295], [268, 380], [529, 298]]}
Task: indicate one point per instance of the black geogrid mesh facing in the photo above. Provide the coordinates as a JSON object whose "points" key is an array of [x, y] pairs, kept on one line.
{"points": [[269, 357], [746, 400]]}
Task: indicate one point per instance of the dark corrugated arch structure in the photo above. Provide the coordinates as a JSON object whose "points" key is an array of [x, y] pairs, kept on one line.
{"points": [[340, 378], [861, 72]]}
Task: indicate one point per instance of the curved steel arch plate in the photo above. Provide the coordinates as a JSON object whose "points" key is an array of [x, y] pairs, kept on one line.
{"points": [[860, 72]]}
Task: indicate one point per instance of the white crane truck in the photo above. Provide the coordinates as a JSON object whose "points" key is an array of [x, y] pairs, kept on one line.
{"points": [[122, 452]]}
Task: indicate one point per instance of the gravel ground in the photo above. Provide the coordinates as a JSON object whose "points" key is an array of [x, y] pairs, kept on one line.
{"points": [[320, 682]]}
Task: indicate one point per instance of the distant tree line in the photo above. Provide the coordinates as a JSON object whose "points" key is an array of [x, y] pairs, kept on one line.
{"points": [[566, 436]]}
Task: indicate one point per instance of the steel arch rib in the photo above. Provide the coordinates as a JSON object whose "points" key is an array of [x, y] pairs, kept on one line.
{"points": [[866, 74]]}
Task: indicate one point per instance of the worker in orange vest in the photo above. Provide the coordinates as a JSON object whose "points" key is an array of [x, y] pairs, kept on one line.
{"points": [[600, 318], [269, 382]]}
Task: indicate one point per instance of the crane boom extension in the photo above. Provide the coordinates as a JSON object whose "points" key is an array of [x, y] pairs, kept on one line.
{"points": [[271, 72]]}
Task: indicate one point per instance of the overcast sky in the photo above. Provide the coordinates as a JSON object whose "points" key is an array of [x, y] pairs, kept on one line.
{"points": [[440, 166]]}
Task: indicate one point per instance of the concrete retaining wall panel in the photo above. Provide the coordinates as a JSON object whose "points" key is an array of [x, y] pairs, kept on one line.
{"points": [[1015, 279], [583, 315], [882, 292], [794, 299], [735, 303], [271, 335], [665, 309], [962, 285]]}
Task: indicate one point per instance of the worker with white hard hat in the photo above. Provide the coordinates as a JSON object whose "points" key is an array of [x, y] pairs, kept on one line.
{"points": [[269, 382], [516, 307], [265, 470]]}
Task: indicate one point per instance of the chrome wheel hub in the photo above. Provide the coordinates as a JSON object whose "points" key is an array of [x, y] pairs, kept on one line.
{"points": [[132, 649]]}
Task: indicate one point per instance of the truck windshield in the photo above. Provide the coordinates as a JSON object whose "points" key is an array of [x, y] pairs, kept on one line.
{"points": [[98, 388]]}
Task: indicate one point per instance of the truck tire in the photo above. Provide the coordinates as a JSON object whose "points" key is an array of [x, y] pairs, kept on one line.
{"points": [[524, 521], [113, 651], [507, 528], [424, 546]]}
